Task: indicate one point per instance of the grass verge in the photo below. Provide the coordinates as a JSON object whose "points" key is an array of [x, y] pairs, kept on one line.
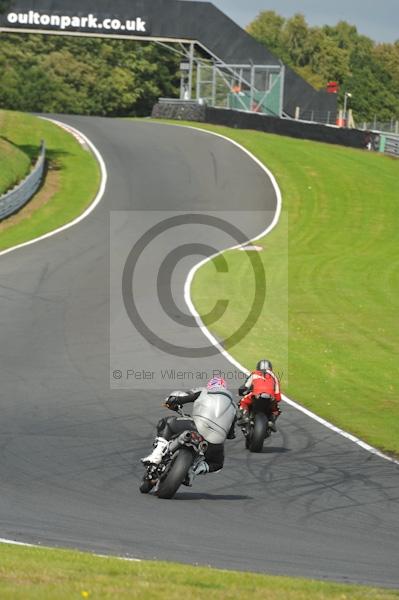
{"points": [[77, 183], [15, 165], [340, 224], [41, 574]]}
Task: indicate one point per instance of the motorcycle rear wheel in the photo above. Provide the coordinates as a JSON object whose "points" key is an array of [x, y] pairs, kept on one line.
{"points": [[176, 474], [259, 432]]}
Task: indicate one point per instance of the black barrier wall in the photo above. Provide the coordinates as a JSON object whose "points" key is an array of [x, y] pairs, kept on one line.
{"points": [[353, 138], [167, 20], [288, 127]]}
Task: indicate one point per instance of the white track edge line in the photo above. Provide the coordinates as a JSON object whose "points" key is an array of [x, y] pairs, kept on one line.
{"points": [[89, 209], [15, 543], [93, 205], [26, 545], [187, 295], [213, 340]]}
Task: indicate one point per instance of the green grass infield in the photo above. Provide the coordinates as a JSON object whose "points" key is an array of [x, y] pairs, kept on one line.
{"points": [[330, 320], [15, 165], [42, 574], [77, 171]]}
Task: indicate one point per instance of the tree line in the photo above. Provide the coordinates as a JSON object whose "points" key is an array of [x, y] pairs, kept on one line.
{"points": [[367, 70], [100, 76], [92, 76]]}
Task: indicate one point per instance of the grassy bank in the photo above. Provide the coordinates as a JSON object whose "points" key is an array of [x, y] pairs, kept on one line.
{"points": [[343, 284], [39, 574], [74, 184], [15, 165]]}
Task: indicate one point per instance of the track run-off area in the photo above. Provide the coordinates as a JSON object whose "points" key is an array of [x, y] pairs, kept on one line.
{"points": [[313, 504]]}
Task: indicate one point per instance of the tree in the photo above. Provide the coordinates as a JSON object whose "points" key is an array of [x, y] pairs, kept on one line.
{"points": [[330, 61], [295, 37], [336, 53], [84, 75], [267, 29], [386, 57]]}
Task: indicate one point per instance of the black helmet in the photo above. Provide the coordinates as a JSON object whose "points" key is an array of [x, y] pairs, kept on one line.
{"points": [[264, 365]]}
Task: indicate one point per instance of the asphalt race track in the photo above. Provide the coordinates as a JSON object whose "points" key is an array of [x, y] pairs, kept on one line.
{"points": [[313, 504]]}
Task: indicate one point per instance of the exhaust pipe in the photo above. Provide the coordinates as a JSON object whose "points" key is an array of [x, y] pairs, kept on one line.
{"points": [[183, 438], [203, 446]]}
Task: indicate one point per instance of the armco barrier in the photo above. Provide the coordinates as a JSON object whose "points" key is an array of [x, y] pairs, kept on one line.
{"points": [[242, 120], [389, 145], [16, 198]]}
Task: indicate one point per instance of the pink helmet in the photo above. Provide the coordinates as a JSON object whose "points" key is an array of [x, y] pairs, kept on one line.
{"points": [[216, 383]]}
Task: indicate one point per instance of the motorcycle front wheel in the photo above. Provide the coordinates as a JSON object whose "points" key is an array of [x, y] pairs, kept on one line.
{"points": [[176, 474]]}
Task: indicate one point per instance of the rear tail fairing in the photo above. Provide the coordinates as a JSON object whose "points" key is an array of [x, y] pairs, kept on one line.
{"points": [[213, 414], [264, 405]]}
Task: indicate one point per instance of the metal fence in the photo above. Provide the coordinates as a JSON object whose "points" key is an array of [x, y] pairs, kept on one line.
{"points": [[316, 116], [249, 88], [16, 198], [391, 126], [339, 119]]}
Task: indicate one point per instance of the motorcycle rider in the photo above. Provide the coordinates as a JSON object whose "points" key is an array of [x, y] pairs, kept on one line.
{"points": [[261, 381], [213, 415]]}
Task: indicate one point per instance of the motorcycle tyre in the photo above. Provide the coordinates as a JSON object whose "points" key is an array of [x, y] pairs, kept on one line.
{"points": [[176, 474], [259, 433]]}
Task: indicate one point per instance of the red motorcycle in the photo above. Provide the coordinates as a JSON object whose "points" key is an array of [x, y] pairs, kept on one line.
{"points": [[256, 427]]}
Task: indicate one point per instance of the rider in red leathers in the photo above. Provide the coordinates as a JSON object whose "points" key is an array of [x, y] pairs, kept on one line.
{"points": [[261, 381]]}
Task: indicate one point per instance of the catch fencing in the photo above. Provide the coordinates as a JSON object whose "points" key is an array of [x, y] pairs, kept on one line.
{"points": [[317, 116], [13, 200], [391, 126]]}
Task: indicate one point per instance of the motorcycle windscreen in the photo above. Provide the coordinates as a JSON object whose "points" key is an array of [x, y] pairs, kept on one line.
{"points": [[213, 415]]}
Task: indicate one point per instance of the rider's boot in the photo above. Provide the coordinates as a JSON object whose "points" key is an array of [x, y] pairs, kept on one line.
{"points": [[160, 448], [242, 416], [272, 423], [147, 486], [200, 468]]}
